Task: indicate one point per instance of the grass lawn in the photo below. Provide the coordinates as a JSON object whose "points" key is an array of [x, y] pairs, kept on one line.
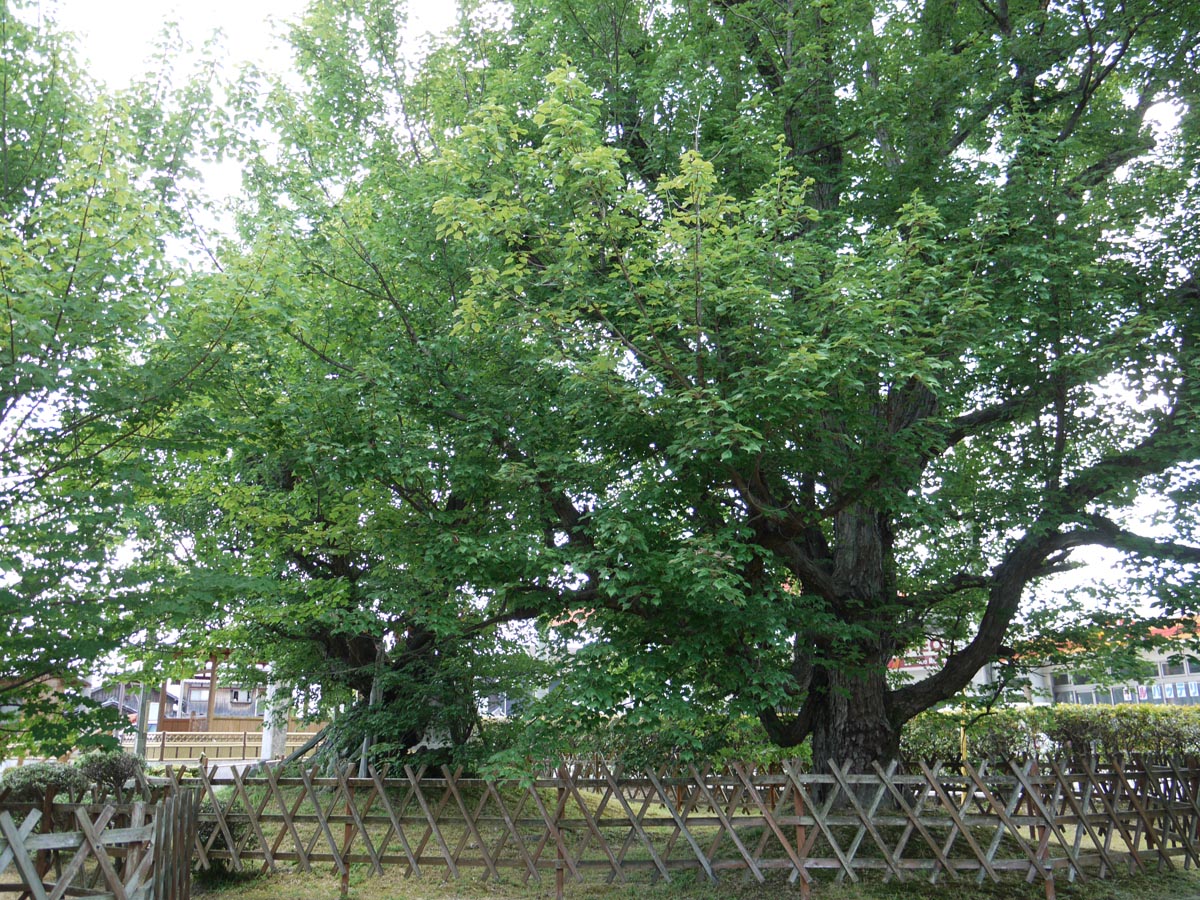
{"points": [[1179, 885]]}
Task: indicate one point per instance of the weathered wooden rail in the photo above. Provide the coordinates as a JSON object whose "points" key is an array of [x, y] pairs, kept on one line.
{"points": [[123, 851], [187, 747], [938, 823]]}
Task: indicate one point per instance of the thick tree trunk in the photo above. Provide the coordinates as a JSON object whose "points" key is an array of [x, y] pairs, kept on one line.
{"points": [[850, 719], [851, 724]]}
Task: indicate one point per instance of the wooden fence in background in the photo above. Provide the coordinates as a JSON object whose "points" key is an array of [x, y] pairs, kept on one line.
{"points": [[200, 724], [126, 851], [186, 748], [593, 822]]}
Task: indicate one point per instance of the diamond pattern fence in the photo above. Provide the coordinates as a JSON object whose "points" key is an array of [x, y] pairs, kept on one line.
{"points": [[100, 847], [596, 822]]}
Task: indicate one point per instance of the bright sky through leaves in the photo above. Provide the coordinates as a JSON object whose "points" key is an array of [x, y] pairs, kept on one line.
{"points": [[117, 38], [117, 41]]}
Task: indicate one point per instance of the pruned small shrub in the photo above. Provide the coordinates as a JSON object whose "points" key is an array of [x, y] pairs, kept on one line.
{"points": [[110, 769]]}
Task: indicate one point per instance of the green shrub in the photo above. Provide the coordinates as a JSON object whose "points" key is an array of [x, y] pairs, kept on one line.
{"points": [[32, 782], [1129, 729], [111, 769], [518, 748], [1062, 730], [998, 735], [931, 737], [654, 742]]}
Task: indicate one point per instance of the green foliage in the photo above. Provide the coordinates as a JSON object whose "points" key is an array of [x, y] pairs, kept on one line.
{"points": [[683, 333], [999, 734], [932, 736], [1104, 731], [1141, 728], [52, 720], [112, 768], [636, 744], [35, 781], [93, 353]]}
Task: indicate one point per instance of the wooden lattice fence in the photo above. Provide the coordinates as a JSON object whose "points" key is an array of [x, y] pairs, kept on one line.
{"points": [[126, 851], [939, 823]]}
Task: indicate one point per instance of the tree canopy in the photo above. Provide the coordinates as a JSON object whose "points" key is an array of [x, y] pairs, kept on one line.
{"points": [[756, 341], [738, 346], [92, 188]]}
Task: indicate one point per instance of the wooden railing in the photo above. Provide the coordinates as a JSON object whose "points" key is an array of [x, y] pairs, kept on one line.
{"points": [[939, 823], [182, 748], [136, 851]]}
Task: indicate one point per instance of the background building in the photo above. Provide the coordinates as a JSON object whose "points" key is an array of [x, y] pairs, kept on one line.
{"points": [[1171, 682]]}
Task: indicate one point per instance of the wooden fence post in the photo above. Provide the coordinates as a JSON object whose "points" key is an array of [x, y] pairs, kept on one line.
{"points": [[43, 858], [801, 842], [131, 851], [559, 862], [1043, 831], [345, 886]]}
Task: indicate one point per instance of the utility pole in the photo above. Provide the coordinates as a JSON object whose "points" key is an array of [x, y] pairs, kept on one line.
{"points": [[275, 722], [143, 722]]}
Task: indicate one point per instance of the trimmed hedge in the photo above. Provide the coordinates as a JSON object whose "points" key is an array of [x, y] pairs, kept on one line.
{"points": [[110, 769], [29, 784], [517, 748], [1127, 728], [1064, 730], [1002, 734]]}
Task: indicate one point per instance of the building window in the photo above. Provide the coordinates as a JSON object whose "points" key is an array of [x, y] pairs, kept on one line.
{"points": [[1193, 666], [1062, 678], [240, 695], [198, 695], [1172, 668]]}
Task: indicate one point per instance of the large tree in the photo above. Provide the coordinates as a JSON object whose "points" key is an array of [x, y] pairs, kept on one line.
{"points": [[765, 338]]}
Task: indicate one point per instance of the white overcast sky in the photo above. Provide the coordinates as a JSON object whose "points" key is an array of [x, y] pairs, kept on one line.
{"points": [[116, 40], [116, 37]]}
